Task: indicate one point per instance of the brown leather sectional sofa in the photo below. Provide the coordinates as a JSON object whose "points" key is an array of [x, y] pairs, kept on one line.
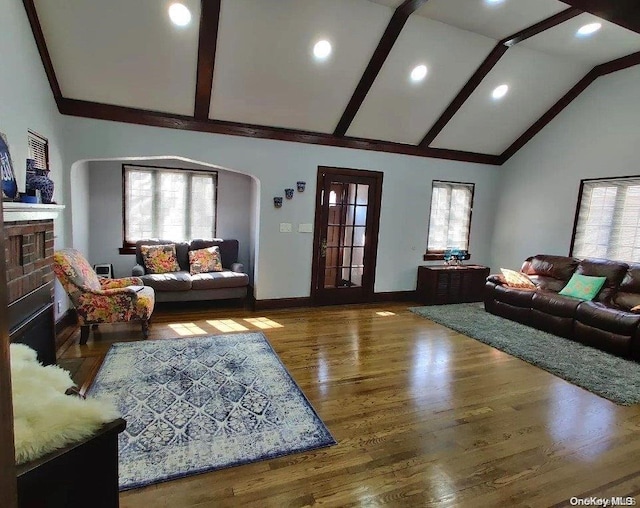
{"points": [[605, 323]]}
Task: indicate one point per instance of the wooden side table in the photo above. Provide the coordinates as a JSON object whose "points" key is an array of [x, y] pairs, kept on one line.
{"points": [[440, 284]]}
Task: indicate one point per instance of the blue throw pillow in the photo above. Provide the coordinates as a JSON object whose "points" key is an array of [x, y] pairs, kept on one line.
{"points": [[583, 287]]}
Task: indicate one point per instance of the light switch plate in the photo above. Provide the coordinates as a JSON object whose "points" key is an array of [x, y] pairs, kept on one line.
{"points": [[305, 228], [285, 227]]}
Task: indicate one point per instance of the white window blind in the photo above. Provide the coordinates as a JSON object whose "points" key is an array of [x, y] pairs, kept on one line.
{"points": [[172, 204], [450, 217], [608, 223], [38, 148]]}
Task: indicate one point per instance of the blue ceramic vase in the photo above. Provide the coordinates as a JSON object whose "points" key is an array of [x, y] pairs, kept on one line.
{"points": [[9, 185], [39, 180]]}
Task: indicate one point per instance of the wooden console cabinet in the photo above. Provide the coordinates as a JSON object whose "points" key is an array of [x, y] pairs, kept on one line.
{"points": [[440, 284], [82, 474]]}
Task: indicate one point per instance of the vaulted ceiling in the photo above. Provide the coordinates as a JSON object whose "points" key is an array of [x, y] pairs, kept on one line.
{"points": [[246, 67]]}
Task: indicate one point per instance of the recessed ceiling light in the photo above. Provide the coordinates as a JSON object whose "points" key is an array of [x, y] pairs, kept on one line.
{"points": [[500, 91], [322, 49], [418, 73], [493, 2], [179, 14], [585, 30]]}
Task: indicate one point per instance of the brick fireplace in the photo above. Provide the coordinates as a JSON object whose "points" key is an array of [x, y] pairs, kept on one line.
{"points": [[29, 258], [29, 254]]}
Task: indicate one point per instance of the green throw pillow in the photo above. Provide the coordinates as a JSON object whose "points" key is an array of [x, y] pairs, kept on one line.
{"points": [[583, 287]]}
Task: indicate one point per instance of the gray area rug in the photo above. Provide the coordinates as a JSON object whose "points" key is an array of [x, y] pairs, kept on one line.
{"points": [[604, 374], [197, 404]]}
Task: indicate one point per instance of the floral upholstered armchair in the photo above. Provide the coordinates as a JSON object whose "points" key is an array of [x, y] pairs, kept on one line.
{"points": [[99, 300]]}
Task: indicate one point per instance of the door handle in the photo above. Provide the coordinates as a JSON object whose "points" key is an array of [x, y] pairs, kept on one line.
{"points": [[323, 248]]}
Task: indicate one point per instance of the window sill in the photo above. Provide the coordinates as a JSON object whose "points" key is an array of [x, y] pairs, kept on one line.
{"points": [[439, 256], [127, 250]]}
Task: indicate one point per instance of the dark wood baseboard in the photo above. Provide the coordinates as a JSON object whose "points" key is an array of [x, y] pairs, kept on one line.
{"points": [[307, 301], [395, 296], [283, 303]]}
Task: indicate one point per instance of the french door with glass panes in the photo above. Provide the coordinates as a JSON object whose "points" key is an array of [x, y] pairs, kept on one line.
{"points": [[346, 235]]}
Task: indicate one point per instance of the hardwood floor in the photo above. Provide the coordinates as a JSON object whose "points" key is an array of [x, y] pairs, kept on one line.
{"points": [[423, 416]]}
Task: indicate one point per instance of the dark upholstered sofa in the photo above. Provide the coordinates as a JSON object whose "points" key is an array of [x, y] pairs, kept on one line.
{"points": [[232, 282], [605, 323]]}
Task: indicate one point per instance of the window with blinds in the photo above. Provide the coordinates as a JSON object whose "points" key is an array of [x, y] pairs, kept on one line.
{"points": [[450, 218], [38, 149], [608, 219], [173, 204]]}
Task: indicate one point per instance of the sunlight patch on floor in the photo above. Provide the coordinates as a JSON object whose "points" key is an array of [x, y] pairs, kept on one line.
{"points": [[227, 325], [385, 313], [187, 329], [263, 323]]}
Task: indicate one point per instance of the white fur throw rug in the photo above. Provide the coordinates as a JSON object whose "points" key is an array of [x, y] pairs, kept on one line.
{"points": [[46, 419]]}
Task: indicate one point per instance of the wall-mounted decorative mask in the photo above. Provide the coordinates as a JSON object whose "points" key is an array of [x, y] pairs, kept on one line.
{"points": [[288, 193], [301, 186], [277, 201]]}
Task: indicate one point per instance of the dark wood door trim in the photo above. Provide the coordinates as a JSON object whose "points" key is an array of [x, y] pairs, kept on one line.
{"points": [[371, 243]]}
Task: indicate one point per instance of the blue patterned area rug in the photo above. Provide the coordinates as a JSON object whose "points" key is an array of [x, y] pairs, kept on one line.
{"points": [[198, 404]]}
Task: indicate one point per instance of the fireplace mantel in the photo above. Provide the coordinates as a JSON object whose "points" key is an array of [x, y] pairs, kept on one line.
{"points": [[26, 211]]}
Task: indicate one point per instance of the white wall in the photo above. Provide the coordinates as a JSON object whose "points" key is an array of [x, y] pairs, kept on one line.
{"points": [[104, 209], [597, 135], [80, 221], [283, 260], [27, 103]]}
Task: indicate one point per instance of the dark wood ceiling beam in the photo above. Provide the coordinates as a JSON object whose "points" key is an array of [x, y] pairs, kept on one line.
{"points": [[599, 70], [618, 64], [612, 11], [625, 13], [541, 26], [470, 86], [489, 63], [157, 119], [549, 115], [207, 42], [36, 28], [395, 26]]}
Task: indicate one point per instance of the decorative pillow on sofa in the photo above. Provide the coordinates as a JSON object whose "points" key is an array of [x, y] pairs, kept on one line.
{"points": [[160, 258], [583, 287], [517, 279], [205, 260]]}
